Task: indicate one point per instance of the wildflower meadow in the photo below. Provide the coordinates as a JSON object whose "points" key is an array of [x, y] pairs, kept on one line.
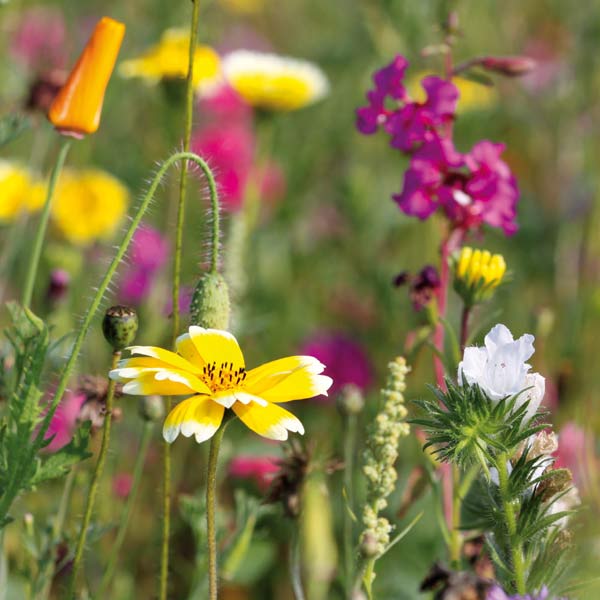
{"points": [[299, 300]]}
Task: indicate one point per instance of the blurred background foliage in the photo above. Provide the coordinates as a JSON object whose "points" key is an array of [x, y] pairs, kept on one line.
{"points": [[323, 258]]}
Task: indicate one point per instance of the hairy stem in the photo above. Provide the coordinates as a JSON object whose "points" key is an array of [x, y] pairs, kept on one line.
{"points": [[516, 549], [91, 499], [38, 242], [187, 134], [138, 469], [211, 487]]}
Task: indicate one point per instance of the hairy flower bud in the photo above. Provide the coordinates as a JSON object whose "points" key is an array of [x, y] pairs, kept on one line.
{"points": [[510, 66], [210, 303], [151, 408], [120, 325]]}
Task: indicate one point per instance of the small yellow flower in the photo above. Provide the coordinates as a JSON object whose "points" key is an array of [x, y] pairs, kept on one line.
{"points": [[77, 107], [18, 191], [169, 59], [472, 95], [274, 82], [477, 273], [209, 368], [88, 205]]}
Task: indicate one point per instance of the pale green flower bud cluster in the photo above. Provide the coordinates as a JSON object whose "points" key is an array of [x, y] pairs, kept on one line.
{"points": [[380, 456]]}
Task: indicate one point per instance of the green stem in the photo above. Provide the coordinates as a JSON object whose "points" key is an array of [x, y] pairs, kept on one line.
{"points": [[349, 443], [91, 499], [295, 566], [29, 456], [57, 528], [211, 486], [456, 540], [516, 549], [189, 107], [38, 242], [138, 469]]}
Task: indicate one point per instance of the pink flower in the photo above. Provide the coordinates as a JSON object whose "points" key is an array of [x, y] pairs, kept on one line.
{"points": [[121, 485], [149, 252], [64, 421], [345, 358], [226, 106], [38, 41], [229, 150], [574, 453], [259, 469]]}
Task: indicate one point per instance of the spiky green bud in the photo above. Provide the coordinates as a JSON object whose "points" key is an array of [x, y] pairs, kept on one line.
{"points": [[210, 303], [120, 325]]}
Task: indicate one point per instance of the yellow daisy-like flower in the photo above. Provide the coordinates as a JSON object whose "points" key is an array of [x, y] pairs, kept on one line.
{"points": [[477, 273], [472, 95], [274, 82], [209, 367], [19, 191], [169, 59], [88, 205]]}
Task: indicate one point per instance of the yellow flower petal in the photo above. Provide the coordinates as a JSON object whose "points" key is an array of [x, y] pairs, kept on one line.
{"points": [[160, 374], [173, 383], [187, 349], [270, 421], [165, 356], [216, 346], [286, 379], [198, 416], [228, 398]]}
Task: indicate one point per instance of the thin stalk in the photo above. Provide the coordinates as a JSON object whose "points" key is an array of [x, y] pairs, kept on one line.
{"points": [[516, 548], [349, 444], [91, 499], [40, 235], [187, 134], [12, 491], [295, 566], [211, 486], [57, 527], [464, 326], [138, 469]]}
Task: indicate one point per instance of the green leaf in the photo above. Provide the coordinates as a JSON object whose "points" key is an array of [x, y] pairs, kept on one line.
{"points": [[12, 126]]}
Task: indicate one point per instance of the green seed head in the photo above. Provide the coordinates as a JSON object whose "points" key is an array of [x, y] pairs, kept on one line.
{"points": [[210, 303], [119, 326], [152, 408]]}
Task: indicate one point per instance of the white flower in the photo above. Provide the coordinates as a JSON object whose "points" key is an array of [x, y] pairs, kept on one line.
{"points": [[500, 369]]}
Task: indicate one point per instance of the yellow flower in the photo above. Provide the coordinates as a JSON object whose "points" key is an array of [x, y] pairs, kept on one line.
{"points": [[77, 107], [209, 368], [274, 82], [243, 7], [19, 191], [169, 59], [88, 205], [477, 274], [472, 95]]}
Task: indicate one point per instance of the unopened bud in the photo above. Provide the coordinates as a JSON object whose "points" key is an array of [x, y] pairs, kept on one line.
{"points": [[369, 547], [559, 481], [151, 408], [509, 66], [351, 400], [210, 302], [120, 326]]}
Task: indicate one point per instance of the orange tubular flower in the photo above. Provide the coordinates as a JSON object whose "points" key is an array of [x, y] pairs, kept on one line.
{"points": [[77, 107]]}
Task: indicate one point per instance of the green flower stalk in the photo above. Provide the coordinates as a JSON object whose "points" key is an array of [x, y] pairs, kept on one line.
{"points": [[380, 457]]}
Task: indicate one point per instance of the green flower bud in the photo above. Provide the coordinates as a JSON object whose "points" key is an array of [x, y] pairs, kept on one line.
{"points": [[120, 324], [151, 408], [210, 302], [351, 400]]}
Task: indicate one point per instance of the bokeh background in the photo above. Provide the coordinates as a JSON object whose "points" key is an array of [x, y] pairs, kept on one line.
{"points": [[320, 262]]}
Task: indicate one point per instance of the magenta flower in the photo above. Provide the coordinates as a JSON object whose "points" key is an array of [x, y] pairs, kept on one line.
{"points": [[574, 453], [39, 39], [149, 253], [64, 422], [121, 484], [226, 106], [259, 469], [346, 360]]}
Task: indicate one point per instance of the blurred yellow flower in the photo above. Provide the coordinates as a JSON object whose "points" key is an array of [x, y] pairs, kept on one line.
{"points": [[19, 191], [243, 7], [169, 59], [274, 82], [473, 95], [209, 369], [477, 273], [88, 205]]}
